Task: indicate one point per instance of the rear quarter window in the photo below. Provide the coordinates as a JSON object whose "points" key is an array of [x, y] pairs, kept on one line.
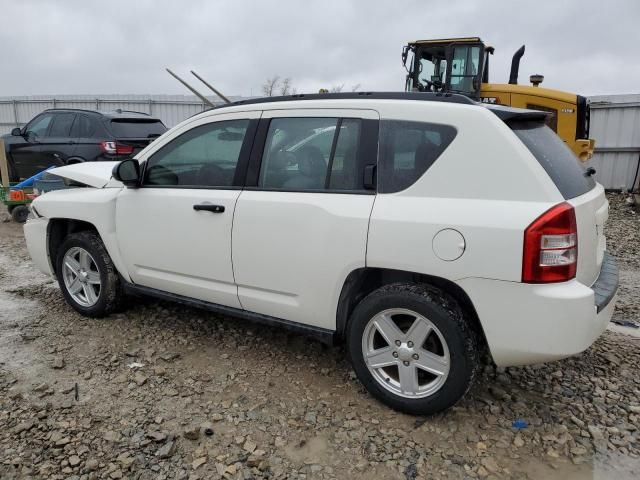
{"points": [[560, 163], [134, 128], [407, 150]]}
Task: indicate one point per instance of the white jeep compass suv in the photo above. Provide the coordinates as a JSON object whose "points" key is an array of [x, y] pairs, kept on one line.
{"points": [[420, 229]]}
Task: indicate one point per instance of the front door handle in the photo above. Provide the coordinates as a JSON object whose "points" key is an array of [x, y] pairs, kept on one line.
{"points": [[209, 208]]}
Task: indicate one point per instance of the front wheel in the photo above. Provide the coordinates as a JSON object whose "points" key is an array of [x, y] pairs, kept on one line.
{"points": [[87, 276], [412, 348]]}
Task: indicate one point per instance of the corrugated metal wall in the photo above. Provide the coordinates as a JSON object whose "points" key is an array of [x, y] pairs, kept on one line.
{"points": [[615, 125], [171, 109]]}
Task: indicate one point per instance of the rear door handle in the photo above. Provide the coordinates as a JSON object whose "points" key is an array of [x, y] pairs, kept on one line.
{"points": [[209, 208]]}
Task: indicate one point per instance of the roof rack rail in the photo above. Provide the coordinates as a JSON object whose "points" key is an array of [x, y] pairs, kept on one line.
{"points": [[120, 110], [421, 96]]}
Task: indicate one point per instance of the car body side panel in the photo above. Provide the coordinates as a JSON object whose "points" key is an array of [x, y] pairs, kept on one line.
{"points": [[96, 206], [470, 188], [525, 323]]}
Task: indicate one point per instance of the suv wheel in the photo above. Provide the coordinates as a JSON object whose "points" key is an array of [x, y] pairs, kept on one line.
{"points": [[412, 348], [87, 276]]}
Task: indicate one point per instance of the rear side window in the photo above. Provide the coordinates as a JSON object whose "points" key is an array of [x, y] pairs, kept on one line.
{"points": [[61, 125], [83, 127], [556, 158], [134, 128], [407, 151]]}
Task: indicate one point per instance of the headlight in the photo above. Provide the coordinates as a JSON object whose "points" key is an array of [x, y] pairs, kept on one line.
{"points": [[33, 213]]}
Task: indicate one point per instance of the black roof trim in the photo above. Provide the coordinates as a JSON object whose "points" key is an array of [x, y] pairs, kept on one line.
{"points": [[108, 114], [423, 96], [505, 113]]}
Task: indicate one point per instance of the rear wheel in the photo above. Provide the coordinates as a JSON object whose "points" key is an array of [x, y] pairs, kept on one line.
{"points": [[19, 213], [87, 276], [412, 348]]}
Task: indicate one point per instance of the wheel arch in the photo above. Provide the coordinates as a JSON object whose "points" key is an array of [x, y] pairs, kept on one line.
{"points": [[362, 281], [74, 160], [58, 229]]}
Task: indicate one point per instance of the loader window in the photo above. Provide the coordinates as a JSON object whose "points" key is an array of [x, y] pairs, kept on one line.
{"points": [[464, 69]]}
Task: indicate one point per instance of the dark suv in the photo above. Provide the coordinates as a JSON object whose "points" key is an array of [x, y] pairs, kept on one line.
{"points": [[59, 137]]}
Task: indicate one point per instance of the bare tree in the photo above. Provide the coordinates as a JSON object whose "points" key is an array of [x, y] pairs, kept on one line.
{"points": [[355, 88], [285, 86], [270, 85], [275, 86], [336, 88]]}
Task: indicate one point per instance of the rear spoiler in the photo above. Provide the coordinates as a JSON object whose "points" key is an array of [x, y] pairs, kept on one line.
{"points": [[147, 139], [511, 115]]}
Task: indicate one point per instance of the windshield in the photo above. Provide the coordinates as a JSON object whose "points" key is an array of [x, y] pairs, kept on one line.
{"points": [[431, 69]]}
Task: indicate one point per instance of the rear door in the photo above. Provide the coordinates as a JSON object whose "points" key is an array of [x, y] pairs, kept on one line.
{"points": [[301, 222], [174, 232], [579, 189]]}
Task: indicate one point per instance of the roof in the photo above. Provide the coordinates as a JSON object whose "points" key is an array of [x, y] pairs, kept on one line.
{"points": [[421, 96], [503, 112], [119, 113], [447, 40]]}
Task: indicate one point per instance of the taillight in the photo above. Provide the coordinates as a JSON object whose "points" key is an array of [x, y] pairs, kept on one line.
{"points": [[551, 247], [115, 148]]}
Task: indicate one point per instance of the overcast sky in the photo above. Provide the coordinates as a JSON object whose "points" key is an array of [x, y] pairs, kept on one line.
{"points": [[116, 47]]}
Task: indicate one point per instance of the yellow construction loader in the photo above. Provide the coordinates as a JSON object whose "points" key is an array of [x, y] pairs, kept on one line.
{"points": [[461, 65]]}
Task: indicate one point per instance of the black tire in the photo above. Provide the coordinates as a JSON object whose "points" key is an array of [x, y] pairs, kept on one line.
{"points": [[442, 311], [19, 213], [111, 296]]}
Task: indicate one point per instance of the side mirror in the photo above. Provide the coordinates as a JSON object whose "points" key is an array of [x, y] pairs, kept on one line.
{"points": [[16, 132], [128, 172]]}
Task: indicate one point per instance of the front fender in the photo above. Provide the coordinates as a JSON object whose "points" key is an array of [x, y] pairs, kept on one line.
{"points": [[96, 206]]}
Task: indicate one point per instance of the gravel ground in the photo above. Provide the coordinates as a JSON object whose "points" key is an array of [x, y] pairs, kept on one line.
{"points": [[168, 392]]}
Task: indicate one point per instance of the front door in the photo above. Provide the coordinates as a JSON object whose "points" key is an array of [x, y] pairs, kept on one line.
{"points": [[175, 231], [26, 150], [301, 222]]}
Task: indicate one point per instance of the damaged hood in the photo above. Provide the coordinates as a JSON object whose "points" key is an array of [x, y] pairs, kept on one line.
{"points": [[93, 174]]}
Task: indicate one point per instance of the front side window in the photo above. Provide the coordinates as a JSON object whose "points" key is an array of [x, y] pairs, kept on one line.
{"points": [[38, 127], [311, 154], [407, 151], [205, 156]]}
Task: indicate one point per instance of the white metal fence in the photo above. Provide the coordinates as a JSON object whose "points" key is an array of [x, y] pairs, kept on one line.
{"points": [[615, 123]]}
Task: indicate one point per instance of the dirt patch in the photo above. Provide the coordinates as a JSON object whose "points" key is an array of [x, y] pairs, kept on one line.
{"points": [[134, 395]]}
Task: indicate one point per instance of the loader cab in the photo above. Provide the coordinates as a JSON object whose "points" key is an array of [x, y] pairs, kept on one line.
{"points": [[447, 65]]}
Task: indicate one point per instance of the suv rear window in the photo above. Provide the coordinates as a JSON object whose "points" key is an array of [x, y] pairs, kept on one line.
{"points": [[407, 150], [556, 158], [134, 128]]}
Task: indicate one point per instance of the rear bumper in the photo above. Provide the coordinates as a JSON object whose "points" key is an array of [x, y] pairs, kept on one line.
{"points": [[525, 323], [35, 233]]}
